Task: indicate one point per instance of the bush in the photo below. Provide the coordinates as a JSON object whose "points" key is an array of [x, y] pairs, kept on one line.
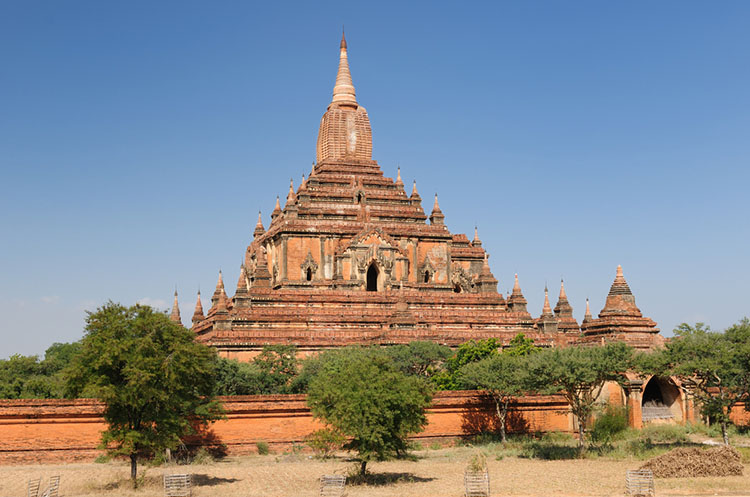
{"points": [[663, 434], [610, 423], [202, 456], [263, 448], [477, 463], [325, 442]]}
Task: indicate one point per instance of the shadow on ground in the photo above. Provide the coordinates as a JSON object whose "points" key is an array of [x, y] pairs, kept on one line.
{"points": [[382, 479], [211, 481]]}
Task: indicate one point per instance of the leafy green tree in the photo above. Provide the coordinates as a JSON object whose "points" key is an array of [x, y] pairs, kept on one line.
{"points": [[521, 346], [155, 380], [712, 365], [503, 376], [579, 373], [360, 393], [15, 373], [471, 351], [419, 358], [279, 366], [23, 377], [238, 378], [271, 372]]}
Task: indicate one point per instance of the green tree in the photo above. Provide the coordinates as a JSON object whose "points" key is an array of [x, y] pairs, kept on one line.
{"points": [[15, 374], [24, 377], [239, 378], [419, 358], [279, 366], [155, 380], [503, 376], [361, 394], [579, 373], [521, 346], [271, 372], [471, 351], [712, 365]]}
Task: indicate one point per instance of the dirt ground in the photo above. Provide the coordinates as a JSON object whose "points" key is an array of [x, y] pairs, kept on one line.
{"points": [[435, 473]]}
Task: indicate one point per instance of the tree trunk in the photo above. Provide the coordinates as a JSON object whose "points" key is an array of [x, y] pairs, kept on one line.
{"points": [[363, 468], [581, 436], [503, 417], [724, 432], [133, 469]]}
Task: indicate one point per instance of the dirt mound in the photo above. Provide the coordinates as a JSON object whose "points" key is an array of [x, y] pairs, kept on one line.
{"points": [[694, 461]]}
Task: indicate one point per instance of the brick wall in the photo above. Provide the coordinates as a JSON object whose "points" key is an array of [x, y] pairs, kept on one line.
{"points": [[36, 430]]}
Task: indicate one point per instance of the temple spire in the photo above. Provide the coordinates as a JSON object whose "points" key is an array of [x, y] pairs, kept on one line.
{"points": [[414, 189], [198, 313], [587, 317], [276, 210], [259, 229], [219, 292], [175, 316], [436, 217], [563, 307], [398, 176], [242, 283], [516, 285], [516, 301], [343, 91], [290, 196], [547, 309], [476, 241]]}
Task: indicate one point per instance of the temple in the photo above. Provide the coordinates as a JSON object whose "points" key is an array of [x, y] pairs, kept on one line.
{"points": [[352, 258]]}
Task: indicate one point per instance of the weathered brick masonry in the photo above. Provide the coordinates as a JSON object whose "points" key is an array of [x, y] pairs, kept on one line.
{"points": [[65, 430], [353, 259]]}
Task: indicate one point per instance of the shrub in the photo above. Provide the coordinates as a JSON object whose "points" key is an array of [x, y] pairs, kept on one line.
{"points": [[202, 456], [610, 423], [263, 448], [477, 463], [325, 442], [662, 434]]}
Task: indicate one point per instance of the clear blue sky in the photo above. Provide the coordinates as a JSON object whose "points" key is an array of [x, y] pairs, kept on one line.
{"points": [[138, 140]]}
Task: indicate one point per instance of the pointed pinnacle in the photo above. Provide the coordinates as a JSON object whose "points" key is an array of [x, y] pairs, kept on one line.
{"points": [[343, 91]]}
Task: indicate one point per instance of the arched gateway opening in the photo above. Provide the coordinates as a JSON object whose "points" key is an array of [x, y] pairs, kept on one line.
{"points": [[372, 278], [661, 401]]}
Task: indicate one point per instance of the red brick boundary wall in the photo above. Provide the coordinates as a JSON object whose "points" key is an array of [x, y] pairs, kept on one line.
{"points": [[41, 430]]}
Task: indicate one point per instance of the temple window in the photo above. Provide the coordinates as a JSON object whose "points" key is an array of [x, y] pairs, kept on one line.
{"points": [[372, 278], [309, 274], [426, 276]]}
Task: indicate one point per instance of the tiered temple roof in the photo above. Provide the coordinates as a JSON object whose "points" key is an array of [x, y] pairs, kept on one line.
{"points": [[351, 258], [620, 320]]}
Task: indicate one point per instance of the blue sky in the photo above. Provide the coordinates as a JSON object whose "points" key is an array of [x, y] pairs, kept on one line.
{"points": [[138, 140]]}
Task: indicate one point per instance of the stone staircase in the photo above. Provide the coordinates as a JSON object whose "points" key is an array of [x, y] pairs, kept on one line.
{"points": [[653, 412]]}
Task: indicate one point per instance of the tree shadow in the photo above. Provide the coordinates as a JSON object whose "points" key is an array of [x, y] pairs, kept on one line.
{"points": [[205, 438], [480, 418], [383, 479], [211, 481]]}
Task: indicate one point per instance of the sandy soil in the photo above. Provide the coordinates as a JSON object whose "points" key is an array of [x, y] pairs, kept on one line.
{"points": [[436, 473]]}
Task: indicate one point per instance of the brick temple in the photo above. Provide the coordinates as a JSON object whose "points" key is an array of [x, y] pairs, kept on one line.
{"points": [[351, 258]]}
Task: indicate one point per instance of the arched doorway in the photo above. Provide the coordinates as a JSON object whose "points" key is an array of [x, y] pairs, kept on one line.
{"points": [[660, 401], [372, 278]]}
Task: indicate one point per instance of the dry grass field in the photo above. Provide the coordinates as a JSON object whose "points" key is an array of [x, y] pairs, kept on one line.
{"points": [[435, 473]]}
